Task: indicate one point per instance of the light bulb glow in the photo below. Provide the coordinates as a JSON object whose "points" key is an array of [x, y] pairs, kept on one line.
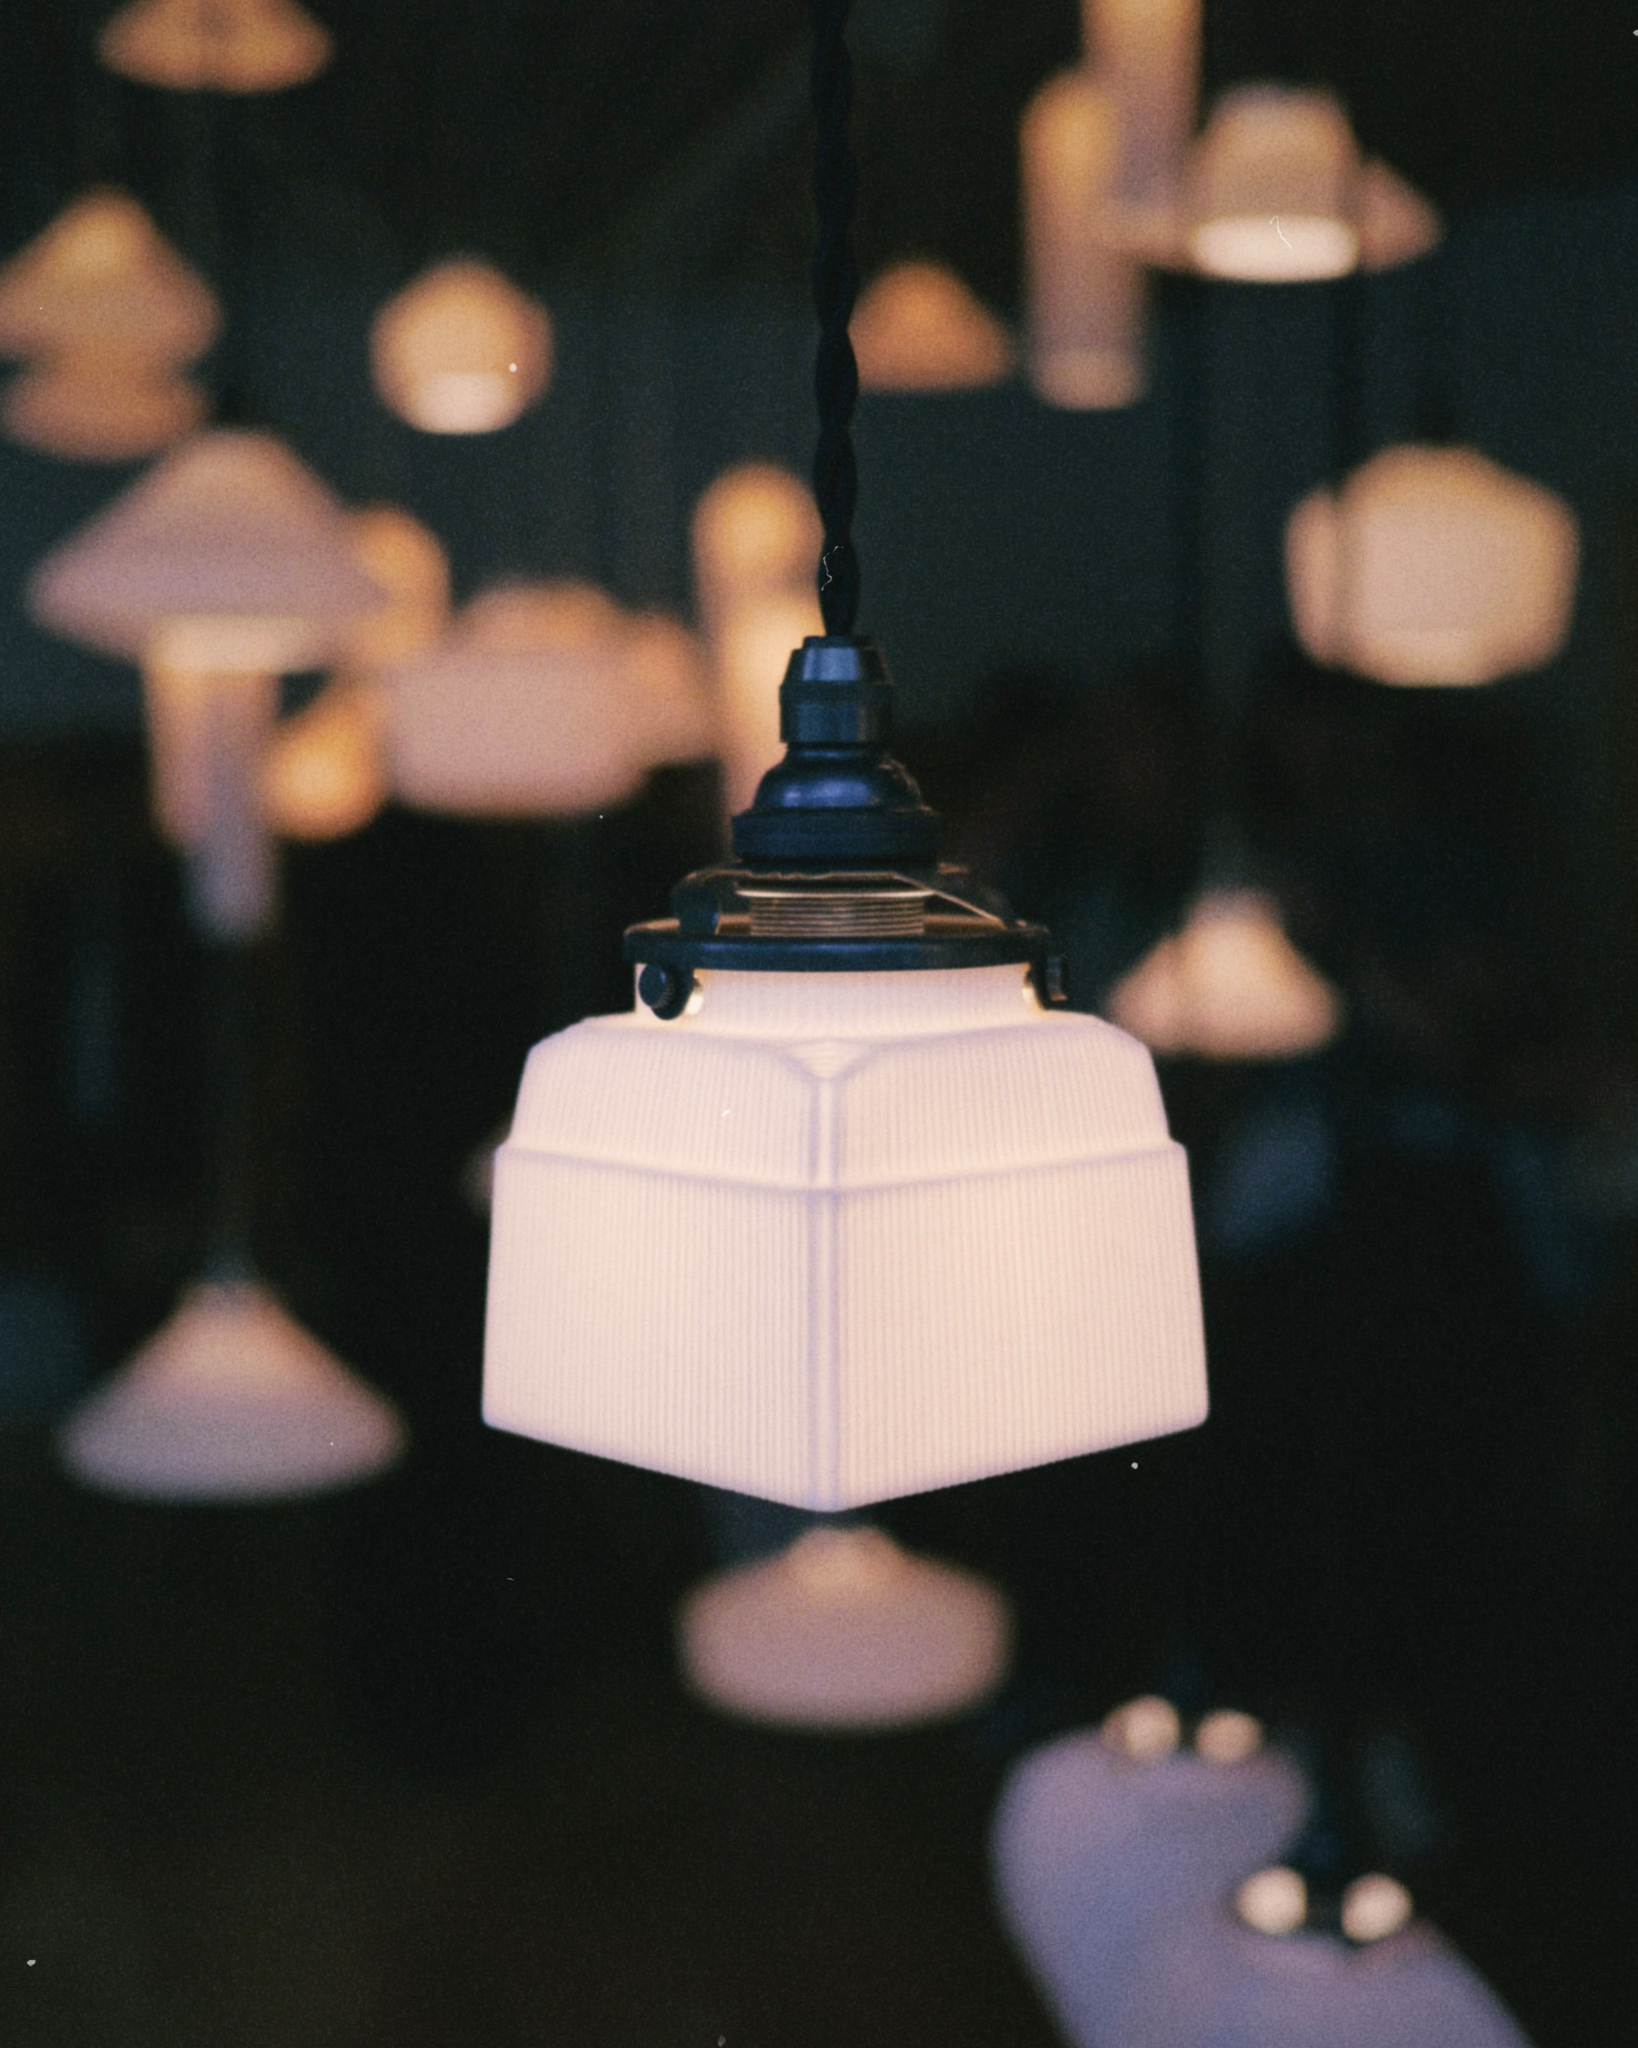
{"points": [[1144, 1729], [1375, 1906], [323, 775], [1273, 1901], [844, 1630], [1228, 1737], [1273, 188]]}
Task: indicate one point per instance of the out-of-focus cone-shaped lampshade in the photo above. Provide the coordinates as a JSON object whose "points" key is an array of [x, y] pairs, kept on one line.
{"points": [[1432, 566], [230, 1400], [750, 650], [919, 329], [844, 1630], [1396, 224], [324, 774], [460, 350], [755, 531], [103, 279], [1273, 196], [900, 1187], [1148, 54], [1085, 294], [1104, 1840], [1228, 986], [544, 700], [93, 407], [215, 45]]}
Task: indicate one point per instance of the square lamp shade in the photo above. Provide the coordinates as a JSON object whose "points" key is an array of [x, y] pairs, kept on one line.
{"points": [[832, 1237]]}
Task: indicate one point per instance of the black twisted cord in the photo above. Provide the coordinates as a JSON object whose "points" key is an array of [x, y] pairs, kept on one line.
{"points": [[835, 284]]}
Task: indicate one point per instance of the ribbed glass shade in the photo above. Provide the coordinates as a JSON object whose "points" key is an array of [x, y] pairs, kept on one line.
{"points": [[1433, 567], [844, 1630], [830, 1237], [1273, 188], [215, 45], [230, 1400], [1102, 1857], [1085, 294], [1229, 986], [102, 278], [460, 350], [918, 328]]}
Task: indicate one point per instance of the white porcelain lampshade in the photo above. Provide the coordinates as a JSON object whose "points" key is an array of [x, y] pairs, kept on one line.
{"points": [[918, 328], [230, 1400], [215, 45], [1432, 566], [460, 350], [1085, 294], [830, 1237], [1148, 54], [1228, 986], [103, 280], [1100, 1853], [1274, 196], [844, 1630]]}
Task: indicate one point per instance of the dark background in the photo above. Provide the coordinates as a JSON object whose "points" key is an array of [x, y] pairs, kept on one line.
{"points": [[413, 1767]]}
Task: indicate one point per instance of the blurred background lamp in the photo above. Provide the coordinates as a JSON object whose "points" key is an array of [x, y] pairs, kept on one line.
{"points": [[1085, 295], [1147, 52], [236, 46], [89, 406], [1228, 986], [1273, 187], [918, 328], [230, 1400], [1227, 1736], [1432, 566], [1375, 1906], [408, 562], [844, 1630], [1144, 1729], [324, 774], [1396, 224], [460, 350], [1273, 1901]]}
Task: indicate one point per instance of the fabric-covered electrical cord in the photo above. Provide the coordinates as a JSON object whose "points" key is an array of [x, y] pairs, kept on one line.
{"points": [[835, 285]]}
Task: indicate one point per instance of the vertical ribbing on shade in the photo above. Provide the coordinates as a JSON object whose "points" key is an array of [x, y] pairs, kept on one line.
{"points": [[949, 1236]]}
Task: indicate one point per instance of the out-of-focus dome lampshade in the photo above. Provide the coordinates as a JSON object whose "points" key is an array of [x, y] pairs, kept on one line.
{"points": [[230, 1400], [103, 310], [844, 1630], [829, 1237], [1085, 295], [1432, 566], [1273, 195], [544, 700], [236, 46], [460, 350], [918, 328], [1229, 986]]}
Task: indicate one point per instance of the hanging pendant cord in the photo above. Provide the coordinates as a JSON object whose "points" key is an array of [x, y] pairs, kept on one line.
{"points": [[835, 284]]}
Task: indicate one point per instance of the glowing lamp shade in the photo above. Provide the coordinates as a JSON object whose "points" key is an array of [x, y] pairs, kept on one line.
{"points": [[230, 1400], [751, 648], [1228, 986], [1396, 224], [1273, 193], [1432, 567], [408, 563], [460, 350], [1085, 295], [1100, 1853], [322, 773], [215, 45], [826, 1238], [88, 407], [1148, 53], [844, 1630], [919, 329], [756, 531]]}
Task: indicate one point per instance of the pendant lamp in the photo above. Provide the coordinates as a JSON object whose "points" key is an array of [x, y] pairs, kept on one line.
{"points": [[236, 46], [1432, 566], [1085, 293], [222, 568], [460, 350], [230, 1401], [544, 700], [756, 534], [844, 1630], [1147, 53], [1106, 1840], [1228, 986], [920, 329], [845, 1207], [1396, 224], [1273, 189], [325, 774], [105, 313]]}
